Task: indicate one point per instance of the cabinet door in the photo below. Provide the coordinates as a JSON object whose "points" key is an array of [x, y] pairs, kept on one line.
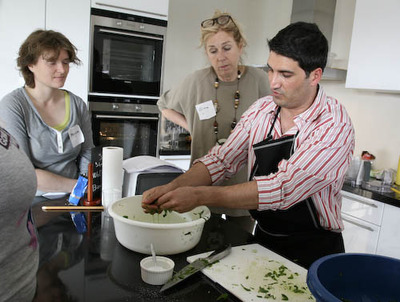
{"points": [[341, 34], [359, 236], [389, 238], [72, 18], [375, 45], [362, 208], [18, 18]]}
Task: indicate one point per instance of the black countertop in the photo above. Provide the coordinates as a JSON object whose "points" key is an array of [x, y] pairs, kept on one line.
{"points": [[390, 198], [95, 267]]}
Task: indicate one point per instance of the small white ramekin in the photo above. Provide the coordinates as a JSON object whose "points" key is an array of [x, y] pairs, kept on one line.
{"points": [[156, 275]]}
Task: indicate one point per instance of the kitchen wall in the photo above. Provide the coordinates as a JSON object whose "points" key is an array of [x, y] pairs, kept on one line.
{"points": [[375, 115], [259, 19]]}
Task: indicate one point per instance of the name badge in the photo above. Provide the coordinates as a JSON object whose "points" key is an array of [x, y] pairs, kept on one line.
{"points": [[76, 135], [206, 110]]}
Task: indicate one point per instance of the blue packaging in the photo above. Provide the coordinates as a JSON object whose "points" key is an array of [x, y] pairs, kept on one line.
{"points": [[78, 219], [78, 191]]}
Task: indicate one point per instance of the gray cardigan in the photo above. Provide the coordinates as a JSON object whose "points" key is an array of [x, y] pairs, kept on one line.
{"points": [[47, 148]]}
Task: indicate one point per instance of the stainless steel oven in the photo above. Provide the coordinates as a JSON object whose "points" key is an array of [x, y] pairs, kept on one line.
{"points": [[125, 81], [130, 123], [126, 53]]}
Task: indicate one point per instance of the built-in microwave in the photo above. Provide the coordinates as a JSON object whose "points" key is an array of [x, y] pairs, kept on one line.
{"points": [[126, 54]]}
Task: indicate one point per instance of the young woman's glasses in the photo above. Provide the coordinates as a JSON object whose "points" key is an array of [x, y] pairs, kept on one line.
{"points": [[221, 20]]}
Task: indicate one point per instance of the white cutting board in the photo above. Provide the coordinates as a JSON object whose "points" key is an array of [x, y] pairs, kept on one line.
{"points": [[243, 272]]}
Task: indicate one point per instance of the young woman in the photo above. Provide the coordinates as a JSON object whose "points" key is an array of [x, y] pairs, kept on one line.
{"points": [[51, 125]]}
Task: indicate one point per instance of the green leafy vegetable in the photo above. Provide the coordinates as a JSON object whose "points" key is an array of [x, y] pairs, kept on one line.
{"points": [[223, 297], [245, 288]]}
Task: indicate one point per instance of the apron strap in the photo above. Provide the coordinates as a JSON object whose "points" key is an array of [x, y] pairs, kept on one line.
{"points": [[269, 137]]}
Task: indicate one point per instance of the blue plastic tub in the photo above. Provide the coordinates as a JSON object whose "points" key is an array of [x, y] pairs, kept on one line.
{"points": [[349, 277]]}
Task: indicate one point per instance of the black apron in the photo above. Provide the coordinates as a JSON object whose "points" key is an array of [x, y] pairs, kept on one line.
{"points": [[295, 232]]}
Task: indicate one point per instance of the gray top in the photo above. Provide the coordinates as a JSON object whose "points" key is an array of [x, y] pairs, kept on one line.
{"points": [[47, 148], [19, 252], [198, 88]]}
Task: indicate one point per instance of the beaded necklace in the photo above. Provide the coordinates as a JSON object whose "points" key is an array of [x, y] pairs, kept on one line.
{"points": [[236, 102]]}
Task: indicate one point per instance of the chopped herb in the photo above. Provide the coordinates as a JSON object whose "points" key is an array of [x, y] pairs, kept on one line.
{"points": [[270, 296], [262, 290], [188, 233], [125, 216], [166, 212], [284, 297], [223, 297], [200, 214], [245, 288]]}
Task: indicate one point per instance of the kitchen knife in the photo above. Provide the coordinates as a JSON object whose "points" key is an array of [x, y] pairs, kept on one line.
{"points": [[196, 266]]}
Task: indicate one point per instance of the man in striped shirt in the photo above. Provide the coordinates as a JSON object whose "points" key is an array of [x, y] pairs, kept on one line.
{"points": [[298, 143]]}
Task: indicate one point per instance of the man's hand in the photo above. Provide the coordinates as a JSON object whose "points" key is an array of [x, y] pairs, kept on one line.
{"points": [[181, 200], [150, 198]]}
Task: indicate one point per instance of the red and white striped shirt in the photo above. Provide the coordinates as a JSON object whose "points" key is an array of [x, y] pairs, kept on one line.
{"points": [[323, 149]]}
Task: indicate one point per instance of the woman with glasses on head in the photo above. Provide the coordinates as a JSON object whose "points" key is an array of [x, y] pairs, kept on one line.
{"points": [[210, 101]]}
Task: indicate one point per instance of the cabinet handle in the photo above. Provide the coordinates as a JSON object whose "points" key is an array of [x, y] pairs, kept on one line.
{"points": [[362, 201], [125, 117], [359, 225]]}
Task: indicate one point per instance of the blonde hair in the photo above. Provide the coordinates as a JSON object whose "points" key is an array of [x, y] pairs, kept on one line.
{"points": [[232, 27]]}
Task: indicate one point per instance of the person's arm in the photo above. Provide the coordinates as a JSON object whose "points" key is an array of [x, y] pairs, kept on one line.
{"points": [[176, 118], [51, 182], [193, 189], [87, 145]]}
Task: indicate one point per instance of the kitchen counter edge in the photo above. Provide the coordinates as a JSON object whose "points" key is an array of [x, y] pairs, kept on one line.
{"points": [[391, 198]]}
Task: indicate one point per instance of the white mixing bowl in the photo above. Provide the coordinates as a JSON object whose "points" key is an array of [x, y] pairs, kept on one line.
{"points": [[169, 232]]}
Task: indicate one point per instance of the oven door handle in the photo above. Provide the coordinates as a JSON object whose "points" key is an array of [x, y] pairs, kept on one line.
{"points": [[126, 117], [108, 31]]}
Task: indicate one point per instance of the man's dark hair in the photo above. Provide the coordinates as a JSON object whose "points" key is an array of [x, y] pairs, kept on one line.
{"points": [[302, 42]]}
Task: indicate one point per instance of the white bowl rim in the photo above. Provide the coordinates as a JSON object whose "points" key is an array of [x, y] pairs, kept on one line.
{"points": [[201, 220]]}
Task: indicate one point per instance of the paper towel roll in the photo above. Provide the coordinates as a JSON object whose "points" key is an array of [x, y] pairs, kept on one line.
{"points": [[112, 175]]}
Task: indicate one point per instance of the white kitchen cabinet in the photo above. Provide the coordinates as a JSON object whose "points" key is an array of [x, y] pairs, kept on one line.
{"points": [[19, 18], [362, 218], [359, 235], [341, 34], [72, 18], [17, 21], [375, 46], [370, 226], [389, 238], [157, 9]]}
